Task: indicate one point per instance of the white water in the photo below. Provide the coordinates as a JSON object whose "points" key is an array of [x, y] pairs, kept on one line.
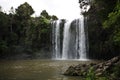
{"points": [[66, 40], [73, 44], [56, 39], [77, 40], [82, 39]]}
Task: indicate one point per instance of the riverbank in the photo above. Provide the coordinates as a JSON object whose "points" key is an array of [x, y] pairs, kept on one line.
{"points": [[110, 70]]}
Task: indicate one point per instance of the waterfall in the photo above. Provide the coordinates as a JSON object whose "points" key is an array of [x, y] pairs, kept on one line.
{"points": [[77, 40], [70, 41], [66, 39], [56, 39], [82, 39], [73, 44]]}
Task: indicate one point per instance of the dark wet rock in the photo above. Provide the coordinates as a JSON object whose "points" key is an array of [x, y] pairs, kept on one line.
{"points": [[72, 71], [78, 70], [99, 69]]}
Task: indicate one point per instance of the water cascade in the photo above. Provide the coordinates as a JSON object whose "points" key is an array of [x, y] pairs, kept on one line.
{"points": [[66, 40], [82, 39], [73, 43], [56, 39], [69, 38]]}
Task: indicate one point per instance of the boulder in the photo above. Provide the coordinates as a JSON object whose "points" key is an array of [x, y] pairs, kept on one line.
{"points": [[99, 69]]}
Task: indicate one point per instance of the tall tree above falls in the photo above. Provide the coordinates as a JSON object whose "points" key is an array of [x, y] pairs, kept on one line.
{"points": [[23, 17], [24, 11]]}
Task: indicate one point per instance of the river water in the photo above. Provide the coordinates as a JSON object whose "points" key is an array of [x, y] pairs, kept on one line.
{"points": [[36, 69]]}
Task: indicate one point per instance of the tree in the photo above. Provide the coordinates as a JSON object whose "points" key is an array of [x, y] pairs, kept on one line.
{"points": [[12, 12], [4, 33], [54, 17], [22, 18], [24, 11], [22, 34], [113, 26], [101, 44], [45, 14], [0, 9]]}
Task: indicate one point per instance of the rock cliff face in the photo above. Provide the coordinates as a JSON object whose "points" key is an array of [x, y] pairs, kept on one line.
{"points": [[84, 5], [95, 31], [99, 69]]}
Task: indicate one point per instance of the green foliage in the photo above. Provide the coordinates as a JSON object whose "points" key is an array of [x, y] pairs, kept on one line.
{"points": [[102, 78], [45, 14], [44, 20], [3, 46], [0, 9], [91, 74], [113, 17], [40, 32], [116, 38], [21, 33], [54, 17], [24, 11], [104, 7], [105, 26], [113, 26], [116, 71]]}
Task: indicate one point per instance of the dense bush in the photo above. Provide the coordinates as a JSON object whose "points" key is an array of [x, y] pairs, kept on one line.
{"points": [[20, 33], [104, 29]]}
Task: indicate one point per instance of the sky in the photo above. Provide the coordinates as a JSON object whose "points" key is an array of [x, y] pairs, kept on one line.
{"points": [[63, 9]]}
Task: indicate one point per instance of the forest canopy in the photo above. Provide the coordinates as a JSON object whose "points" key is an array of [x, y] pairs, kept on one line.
{"points": [[21, 33]]}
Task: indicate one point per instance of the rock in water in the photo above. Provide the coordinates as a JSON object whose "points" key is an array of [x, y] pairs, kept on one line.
{"points": [[99, 69]]}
